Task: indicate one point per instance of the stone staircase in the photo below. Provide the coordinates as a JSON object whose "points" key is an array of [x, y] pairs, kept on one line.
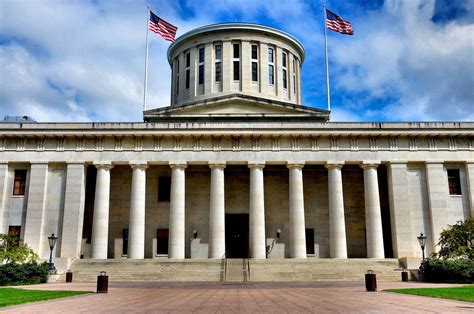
{"points": [[237, 270], [323, 269]]}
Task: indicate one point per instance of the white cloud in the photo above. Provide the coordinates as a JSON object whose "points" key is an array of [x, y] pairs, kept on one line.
{"points": [[399, 52]]}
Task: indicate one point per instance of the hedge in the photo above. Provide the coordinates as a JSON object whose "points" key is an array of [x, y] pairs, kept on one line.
{"points": [[20, 274], [448, 270]]}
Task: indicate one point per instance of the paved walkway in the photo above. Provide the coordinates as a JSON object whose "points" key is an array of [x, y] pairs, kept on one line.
{"points": [[322, 297]]}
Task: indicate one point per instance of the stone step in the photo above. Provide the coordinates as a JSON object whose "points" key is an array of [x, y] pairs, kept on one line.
{"points": [[213, 270]]}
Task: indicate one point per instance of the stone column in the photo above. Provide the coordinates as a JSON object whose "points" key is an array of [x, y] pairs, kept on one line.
{"points": [[136, 225], [35, 234], [296, 201], [257, 213], [470, 185], [373, 216], [177, 214], [400, 217], [4, 213], [73, 219], [437, 182], [100, 220], [337, 222], [217, 212]]}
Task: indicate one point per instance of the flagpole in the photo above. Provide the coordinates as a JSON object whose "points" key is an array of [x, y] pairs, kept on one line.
{"points": [[145, 85], [327, 66]]}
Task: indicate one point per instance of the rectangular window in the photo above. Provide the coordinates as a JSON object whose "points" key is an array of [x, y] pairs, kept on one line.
{"points": [[164, 189], [201, 55], [201, 74], [236, 70], [218, 72], [125, 241], [218, 64], [454, 181], [14, 231], [188, 60], [271, 79], [188, 73], [254, 72], [284, 71], [201, 66], [177, 76], [162, 236], [218, 52], [236, 51], [254, 52], [188, 70], [270, 55], [19, 184]]}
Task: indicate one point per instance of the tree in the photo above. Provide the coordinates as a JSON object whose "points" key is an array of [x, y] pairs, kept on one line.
{"points": [[13, 250], [457, 240]]}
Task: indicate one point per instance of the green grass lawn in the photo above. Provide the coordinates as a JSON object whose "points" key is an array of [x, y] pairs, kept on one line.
{"points": [[465, 293], [13, 296]]}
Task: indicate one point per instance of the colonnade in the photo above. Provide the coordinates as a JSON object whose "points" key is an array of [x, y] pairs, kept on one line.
{"points": [[257, 238]]}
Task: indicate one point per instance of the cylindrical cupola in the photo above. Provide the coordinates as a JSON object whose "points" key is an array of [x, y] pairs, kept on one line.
{"points": [[236, 58]]}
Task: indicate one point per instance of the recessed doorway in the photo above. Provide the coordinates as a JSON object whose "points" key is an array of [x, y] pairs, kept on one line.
{"points": [[237, 235]]}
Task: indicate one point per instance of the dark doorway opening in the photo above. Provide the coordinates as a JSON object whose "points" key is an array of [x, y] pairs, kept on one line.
{"points": [[309, 241], [237, 235]]}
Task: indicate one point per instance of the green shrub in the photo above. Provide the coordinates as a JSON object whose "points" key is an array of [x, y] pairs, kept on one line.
{"points": [[448, 270], [457, 240], [19, 274], [13, 250]]}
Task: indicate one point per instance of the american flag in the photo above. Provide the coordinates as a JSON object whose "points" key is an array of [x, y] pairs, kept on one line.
{"points": [[161, 27], [337, 24]]}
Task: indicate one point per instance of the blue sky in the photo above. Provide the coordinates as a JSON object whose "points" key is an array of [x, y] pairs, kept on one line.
{"points": [[83, 60]]}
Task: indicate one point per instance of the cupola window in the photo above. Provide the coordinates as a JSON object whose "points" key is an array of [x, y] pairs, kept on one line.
{"points": [[254, 63], [218, 62], [201, 66]]}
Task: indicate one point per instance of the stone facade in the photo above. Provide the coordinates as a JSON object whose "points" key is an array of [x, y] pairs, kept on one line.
{"points": [[235, 172]]}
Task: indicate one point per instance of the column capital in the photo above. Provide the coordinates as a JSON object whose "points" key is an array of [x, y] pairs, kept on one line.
{"points": [[334, 164], [217, 164], [295, 165], [138, 164], [103, 164], [259, 165], [367, 164], [178, 165]]}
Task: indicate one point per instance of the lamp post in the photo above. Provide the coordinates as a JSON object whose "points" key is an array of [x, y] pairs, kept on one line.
{"points": [[422, 241], [52, 242]]}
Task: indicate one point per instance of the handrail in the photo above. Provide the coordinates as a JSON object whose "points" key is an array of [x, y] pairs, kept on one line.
{"points": [[248, 269]]}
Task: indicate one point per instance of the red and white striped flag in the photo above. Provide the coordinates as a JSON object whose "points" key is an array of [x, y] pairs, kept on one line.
{"points": [[161, 27], [337, 24]]}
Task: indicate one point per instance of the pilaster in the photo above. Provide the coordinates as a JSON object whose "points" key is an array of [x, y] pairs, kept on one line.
{"points": [[437, 182], [400, 219], [4, 213], [36, 208], [73, 219]]}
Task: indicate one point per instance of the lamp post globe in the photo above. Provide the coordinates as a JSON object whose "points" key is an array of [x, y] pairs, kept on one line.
{"points": [[422, 241], [52, 242]]}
